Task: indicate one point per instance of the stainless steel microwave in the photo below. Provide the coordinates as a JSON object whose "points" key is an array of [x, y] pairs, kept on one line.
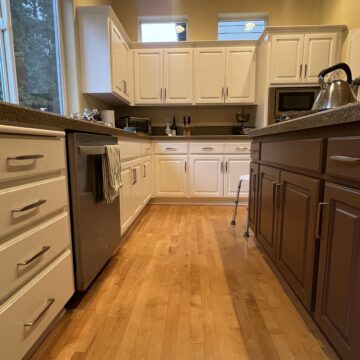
{"points": [[290, 99]]}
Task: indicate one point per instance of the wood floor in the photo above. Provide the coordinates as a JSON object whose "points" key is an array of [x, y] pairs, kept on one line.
{"points": [[184, 285]]}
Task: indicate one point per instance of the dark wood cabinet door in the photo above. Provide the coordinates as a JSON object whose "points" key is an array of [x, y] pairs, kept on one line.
{"points": [[253, 196], [295, 254], [338, 291], [267, 211]]}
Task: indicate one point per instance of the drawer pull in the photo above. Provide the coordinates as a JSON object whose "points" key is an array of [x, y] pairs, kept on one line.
{"points": [[30, 206], [347, 159], [241, 148], [170, 149], [41, 314], [26, 157], [43, 250], [207, 148]]}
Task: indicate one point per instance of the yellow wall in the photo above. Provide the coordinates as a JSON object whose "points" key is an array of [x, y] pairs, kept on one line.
{"points": [[341, 12], [202, 14]]}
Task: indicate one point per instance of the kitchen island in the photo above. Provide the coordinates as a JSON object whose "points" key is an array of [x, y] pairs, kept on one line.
{"points": [[304, 208]]}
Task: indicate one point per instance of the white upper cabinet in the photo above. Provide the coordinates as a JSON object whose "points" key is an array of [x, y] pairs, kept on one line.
{"points": [[240, 75], [148, 68], [209, 75], [298, 58], [286, 58], [319, 53], [104, 53], [178, 76]]}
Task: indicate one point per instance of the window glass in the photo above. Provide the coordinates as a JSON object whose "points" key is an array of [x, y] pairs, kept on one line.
{"points": [[240, 29], [35, 35], [163, 31]]}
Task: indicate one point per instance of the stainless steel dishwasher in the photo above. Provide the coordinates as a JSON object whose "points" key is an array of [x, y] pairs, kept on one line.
{"points": [[95, 224]]}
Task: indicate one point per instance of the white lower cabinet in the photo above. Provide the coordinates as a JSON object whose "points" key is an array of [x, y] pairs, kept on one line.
{"points": [[171, 175], [206, 175], [146, 180], [235, 166], [137, 194], [126, 203]]}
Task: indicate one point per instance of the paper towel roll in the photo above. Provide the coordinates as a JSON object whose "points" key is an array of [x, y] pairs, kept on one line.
{"points": [[108, 116]]}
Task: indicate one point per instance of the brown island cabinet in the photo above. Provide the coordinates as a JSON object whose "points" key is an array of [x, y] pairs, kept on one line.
{"points": [[304, 208]]}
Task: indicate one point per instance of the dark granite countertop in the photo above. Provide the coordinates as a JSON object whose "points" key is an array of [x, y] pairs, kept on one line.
{"points": [[15, 115], [342, 115]]}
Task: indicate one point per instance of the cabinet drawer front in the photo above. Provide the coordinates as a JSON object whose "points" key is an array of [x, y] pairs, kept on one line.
{"points": [[206, 148], [301, 154], [23, 257], [238, 148], [170, 148], [343, 158], [145, 149], [46, 294], [23, 156], [24, 205], [129, 149]]}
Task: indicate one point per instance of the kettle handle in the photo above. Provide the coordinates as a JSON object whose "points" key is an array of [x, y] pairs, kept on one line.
{"points": [[340, 66]]}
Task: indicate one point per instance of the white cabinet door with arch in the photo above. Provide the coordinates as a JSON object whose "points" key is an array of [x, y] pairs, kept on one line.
{"points": [[178, 76], [235, 166], [209, 75], [206, 175], [319, 53], [286, 58], [116, 59], [171, 175], [148, 69], [240, 75]]}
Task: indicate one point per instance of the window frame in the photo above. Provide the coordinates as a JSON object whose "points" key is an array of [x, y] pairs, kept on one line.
{"points": [[7, 54], [162, 19], [242, 17]]}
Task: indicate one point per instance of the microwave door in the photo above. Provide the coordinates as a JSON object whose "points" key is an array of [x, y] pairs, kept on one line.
{"points": [[288, 101]]}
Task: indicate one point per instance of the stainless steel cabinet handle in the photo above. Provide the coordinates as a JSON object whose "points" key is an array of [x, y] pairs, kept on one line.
{"points": [[346, 159], [133, 177], [124, 86], [170, 149], [43, 250], [185, 166], [41, 314], [144, 167], [26, 157], [135, 171], [165, 94], [306, 67], [274, 192], [30, 206], [301, 70], [318, 217], [227, 92], [207, 148], [254, 182], [241, 148], [161, 96], [222, 93], [226, 166]]}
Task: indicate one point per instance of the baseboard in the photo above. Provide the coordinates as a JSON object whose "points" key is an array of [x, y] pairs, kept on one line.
{"points": [[197, 201]]}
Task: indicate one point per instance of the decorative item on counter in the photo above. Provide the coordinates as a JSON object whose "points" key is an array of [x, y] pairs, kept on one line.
{"points": [[108, 116], [167, 129], [174, 127], [187, 126], [242, 117]]}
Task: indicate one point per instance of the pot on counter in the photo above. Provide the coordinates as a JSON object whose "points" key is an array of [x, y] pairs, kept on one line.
{"points": [[335, 92]]}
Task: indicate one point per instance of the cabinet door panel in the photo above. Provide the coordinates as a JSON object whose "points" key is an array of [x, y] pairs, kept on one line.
{"points": [[116, 59], [148, 67], [209, 75], [235, 166], [126, 201], [253, 196], [171, 175], [178, 76], [338, 291], [286, 58], [137, 188], [206, 176], [319, 53], [296, 233], [147, 180], [267, 214], [240, 75]]}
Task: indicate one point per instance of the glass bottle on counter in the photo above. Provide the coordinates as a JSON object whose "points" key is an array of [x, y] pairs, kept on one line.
{"points": [[174, 127]]}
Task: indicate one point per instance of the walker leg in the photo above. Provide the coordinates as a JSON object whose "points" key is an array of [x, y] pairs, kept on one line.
{"points": [[246, 230], [233, 221]]}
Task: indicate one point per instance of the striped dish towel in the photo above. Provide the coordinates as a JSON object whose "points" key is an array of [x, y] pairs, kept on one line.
{"points": [[111, 169]]}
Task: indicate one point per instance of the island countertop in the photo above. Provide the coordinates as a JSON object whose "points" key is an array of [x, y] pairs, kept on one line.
{"points": [[346, 114]]}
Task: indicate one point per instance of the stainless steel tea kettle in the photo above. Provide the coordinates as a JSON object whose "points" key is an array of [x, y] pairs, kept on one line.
{"points": [[334, 93]]}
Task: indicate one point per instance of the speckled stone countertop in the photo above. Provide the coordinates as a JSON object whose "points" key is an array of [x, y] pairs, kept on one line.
{"points": [[342, 115], [15, 115]]}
